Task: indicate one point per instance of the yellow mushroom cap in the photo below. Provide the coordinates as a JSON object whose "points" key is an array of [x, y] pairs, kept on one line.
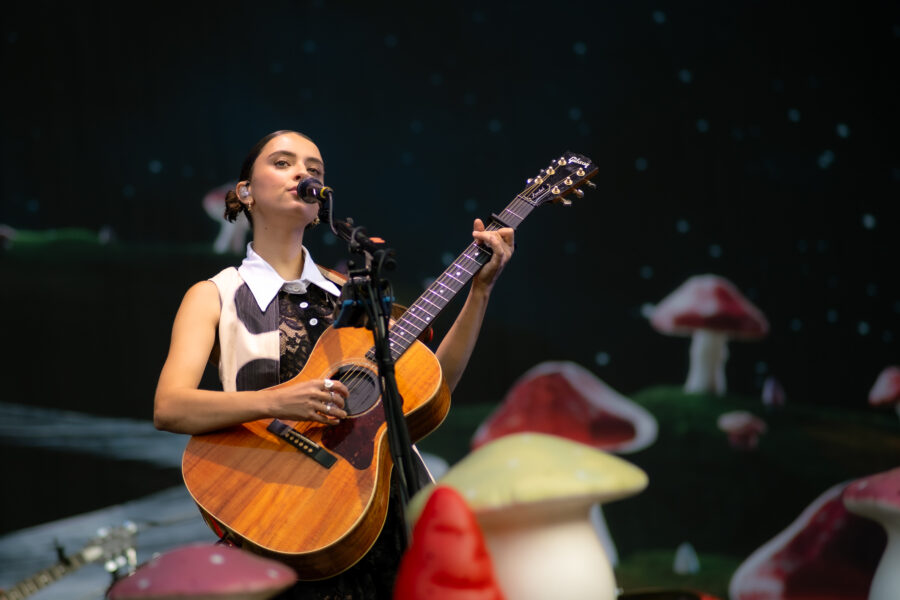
{"points": [[533, 472]]}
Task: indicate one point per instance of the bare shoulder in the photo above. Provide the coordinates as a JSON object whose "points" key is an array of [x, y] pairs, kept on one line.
{"points": [[201, 300]]}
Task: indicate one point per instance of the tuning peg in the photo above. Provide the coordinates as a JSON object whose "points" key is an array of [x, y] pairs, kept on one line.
{"points": [[591, 185], [566, 202], [578, 193]]}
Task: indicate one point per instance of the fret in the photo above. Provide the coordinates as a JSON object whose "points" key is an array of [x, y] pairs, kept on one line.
{"points": [[466, 271], [424, 299], [513, 213], [439, 293], [412, 316], [442, 284], [460, 282], [399, 327]]}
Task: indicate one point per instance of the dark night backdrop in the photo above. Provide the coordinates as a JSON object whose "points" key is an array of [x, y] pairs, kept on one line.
{"points": [[755, 140]]}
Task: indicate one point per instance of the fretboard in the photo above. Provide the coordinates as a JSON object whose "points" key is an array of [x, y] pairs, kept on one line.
{"points": [[442, 290], [42, 579]]}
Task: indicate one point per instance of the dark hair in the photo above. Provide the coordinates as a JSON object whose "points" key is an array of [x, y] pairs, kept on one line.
{"points": [[233, 206]]}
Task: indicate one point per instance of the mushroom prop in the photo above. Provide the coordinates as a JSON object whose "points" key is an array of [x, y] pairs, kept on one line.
{"points": [[886, 390], [743, 429], [232, 236], [447, 559], [532, 495], [827, 553], [877, 497], [563, 398], [773, 394], [686, 560], [205, 572], [7, 236], [711, 310]]}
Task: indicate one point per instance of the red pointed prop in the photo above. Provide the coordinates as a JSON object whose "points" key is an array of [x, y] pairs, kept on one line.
{"points": [[447, 559]]}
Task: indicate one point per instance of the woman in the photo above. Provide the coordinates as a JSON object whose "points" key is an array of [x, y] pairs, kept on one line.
{"points": [[261, 321]]}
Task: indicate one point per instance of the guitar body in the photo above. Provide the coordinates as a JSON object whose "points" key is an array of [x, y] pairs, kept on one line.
{"points": [[272, 498]]}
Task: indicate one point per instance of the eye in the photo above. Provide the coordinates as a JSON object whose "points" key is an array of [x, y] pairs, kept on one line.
{"points": [[282, 163], [315, 170]]}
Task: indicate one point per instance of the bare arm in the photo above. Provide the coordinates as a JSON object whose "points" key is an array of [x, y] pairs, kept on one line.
{"points": [[456, 347], [180, 406]]}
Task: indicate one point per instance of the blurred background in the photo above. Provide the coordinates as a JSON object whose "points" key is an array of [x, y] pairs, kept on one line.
{"points": [[753, 140]]}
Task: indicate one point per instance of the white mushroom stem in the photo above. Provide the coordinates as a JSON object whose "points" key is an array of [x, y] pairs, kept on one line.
{"points": [[709, 351], [602, 531], [886, 581], [552, 554]]}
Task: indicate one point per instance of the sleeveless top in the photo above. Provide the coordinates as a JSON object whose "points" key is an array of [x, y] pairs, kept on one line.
{"points": [[259, 349]]}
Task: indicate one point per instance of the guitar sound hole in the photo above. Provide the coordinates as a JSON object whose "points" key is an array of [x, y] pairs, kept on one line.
{"points": [[363, 386]]}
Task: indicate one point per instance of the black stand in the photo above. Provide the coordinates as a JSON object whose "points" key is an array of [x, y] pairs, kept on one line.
{"points": [[367, 302]]}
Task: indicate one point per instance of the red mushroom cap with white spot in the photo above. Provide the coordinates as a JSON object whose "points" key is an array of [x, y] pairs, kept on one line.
{"points": [[563, 398], [827, 552], [876, 493], [743, 428], [709, 302], [207, 571], [886, 390], [741, 421]]}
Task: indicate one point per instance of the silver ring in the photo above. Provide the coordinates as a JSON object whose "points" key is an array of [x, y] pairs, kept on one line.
{"points": [[328, 384], [329, 406]]}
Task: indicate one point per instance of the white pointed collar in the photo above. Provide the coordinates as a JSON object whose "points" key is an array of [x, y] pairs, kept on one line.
{"points": [[265, 282]]}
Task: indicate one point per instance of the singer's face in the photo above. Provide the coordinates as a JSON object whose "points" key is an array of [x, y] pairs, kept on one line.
{"points": [[284, 162]]}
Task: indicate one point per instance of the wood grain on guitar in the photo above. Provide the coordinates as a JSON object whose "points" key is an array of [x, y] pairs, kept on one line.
{"points": [[271, 494]]}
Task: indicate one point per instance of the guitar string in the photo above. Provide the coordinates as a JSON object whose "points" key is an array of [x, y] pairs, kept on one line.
{"points": [[355, 382], [355, 378]]}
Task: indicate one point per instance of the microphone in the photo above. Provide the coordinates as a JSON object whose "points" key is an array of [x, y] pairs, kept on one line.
{"points": [[311, 190]]}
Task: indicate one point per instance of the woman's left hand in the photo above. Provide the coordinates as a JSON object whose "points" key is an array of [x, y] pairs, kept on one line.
{"points": [[502, 244]]}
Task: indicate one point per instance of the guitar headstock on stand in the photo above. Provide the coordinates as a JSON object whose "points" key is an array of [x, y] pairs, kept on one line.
{"points": [[114, 546]]}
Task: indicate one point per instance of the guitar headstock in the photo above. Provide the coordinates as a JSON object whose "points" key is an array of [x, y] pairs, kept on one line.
{"points": [[114, 546], [565, 175]]}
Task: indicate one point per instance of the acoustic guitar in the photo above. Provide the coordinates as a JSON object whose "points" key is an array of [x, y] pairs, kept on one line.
{"points": [[315, 496]]}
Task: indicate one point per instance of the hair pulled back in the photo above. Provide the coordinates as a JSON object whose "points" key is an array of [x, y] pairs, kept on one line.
{"points": [[233, 205]]}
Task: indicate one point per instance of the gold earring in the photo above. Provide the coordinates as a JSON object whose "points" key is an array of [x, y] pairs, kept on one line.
{"points": [[249, 206]]}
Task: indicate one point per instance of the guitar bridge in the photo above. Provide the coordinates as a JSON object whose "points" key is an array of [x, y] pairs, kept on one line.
{"points": [[302, 443]]}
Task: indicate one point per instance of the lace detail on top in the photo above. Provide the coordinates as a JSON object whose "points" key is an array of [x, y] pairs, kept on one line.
{"points": [[303, 319]]}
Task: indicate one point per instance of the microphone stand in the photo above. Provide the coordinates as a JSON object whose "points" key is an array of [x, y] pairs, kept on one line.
{"points": [[368, 295]]}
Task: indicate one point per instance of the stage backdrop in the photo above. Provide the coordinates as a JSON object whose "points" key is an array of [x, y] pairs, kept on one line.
{"points": [[755, 141]]}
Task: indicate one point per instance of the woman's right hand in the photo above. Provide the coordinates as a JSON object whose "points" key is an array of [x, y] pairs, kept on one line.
{"points": [[319, 400]]}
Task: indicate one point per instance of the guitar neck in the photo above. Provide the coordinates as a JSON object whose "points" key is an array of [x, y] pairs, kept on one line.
{"points": [[42, 579], [110, 543], [442, 290]]}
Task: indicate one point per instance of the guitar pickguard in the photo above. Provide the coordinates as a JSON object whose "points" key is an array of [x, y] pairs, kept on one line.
{"points": [[352, 438]]}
